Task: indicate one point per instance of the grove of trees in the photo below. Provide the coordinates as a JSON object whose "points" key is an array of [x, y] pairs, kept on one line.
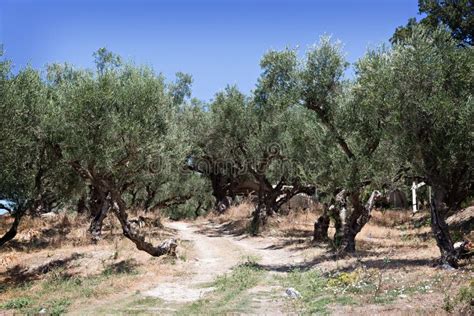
{"points": [[122, 137]]}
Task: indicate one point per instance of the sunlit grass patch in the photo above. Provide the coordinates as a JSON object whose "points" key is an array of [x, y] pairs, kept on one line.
{"points": [[58, 291], [229, 292], [315, 291], [17, 303]]}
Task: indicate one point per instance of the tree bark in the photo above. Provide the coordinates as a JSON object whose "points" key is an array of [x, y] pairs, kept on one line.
{"points": [[440, 229], [119, 208], [222, 204], [321, 226], [11, 233], [338, 225], [117, 204], [259, 219], [198, 208], [99, 207], [351, 224], [96, 224], [357, 218], [96, 200], [219, 191]]}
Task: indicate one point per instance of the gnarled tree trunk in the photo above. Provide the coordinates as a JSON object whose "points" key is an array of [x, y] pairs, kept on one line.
{"points": [[259, 218], [353, 223], [119, 208], [99, 206], [271, 199], [351, 218], [219, 191], [11, 233], [440, 229], [321, 226]]}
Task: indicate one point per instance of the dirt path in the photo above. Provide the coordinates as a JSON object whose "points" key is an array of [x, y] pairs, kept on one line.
{"points": [[216, 254]]}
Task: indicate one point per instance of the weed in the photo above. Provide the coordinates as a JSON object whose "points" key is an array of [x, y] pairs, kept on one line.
{"points": [[344, 279], [17, 303], [465, 299], [228, 295], [466, 293], [313, 288], [251, 260], [242, 277], [59, 306], [448, 304], [146, 301]]}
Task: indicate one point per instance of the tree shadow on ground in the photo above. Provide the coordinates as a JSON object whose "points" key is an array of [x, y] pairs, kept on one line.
{"points": [[293, 232], [232, 228], [19, 274], [296, 244], [50, 237], [127, 266], [298, 241], [380, 264]]}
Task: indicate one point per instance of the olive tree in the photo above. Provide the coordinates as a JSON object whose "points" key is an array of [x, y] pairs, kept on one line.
{"points": [[32, 180], [217, 130], [340, 136], [431, 116], [241, 147], [117, 128]]}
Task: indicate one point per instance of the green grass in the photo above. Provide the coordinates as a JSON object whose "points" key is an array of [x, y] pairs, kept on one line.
{"points": [[317, 292], [59, 290], [17, 303], [137, 306], [28, 305], [346, 288], [59, 306], [462, 301], [229, 295]]}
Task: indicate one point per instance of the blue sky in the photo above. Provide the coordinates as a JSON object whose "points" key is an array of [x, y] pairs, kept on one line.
{"points": [[218, 42]]}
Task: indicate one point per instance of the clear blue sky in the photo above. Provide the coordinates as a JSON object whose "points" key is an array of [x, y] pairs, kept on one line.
{"points": [[218, 42]]}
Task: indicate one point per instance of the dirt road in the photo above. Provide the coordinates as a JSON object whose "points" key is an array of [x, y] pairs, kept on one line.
{"points": [[216, 254]]}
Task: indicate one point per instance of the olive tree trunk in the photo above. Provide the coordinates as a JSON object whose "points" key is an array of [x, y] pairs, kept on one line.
{"points": [[440, 229], [350, 217], [321, 225], [99, 206], [11, 233], [260, 215], [119, 208]]}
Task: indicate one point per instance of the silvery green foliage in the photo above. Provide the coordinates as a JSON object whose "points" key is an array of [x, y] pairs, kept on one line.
{"points": [[337, 139], [28, 160], [122, 123], [17, 122], [432, 109]]}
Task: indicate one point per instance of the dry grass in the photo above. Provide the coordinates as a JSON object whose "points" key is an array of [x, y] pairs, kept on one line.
{"points": [[236, 218], [392, 218], [237, 212], [53, 264], [298, 223], [393, 233]]}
